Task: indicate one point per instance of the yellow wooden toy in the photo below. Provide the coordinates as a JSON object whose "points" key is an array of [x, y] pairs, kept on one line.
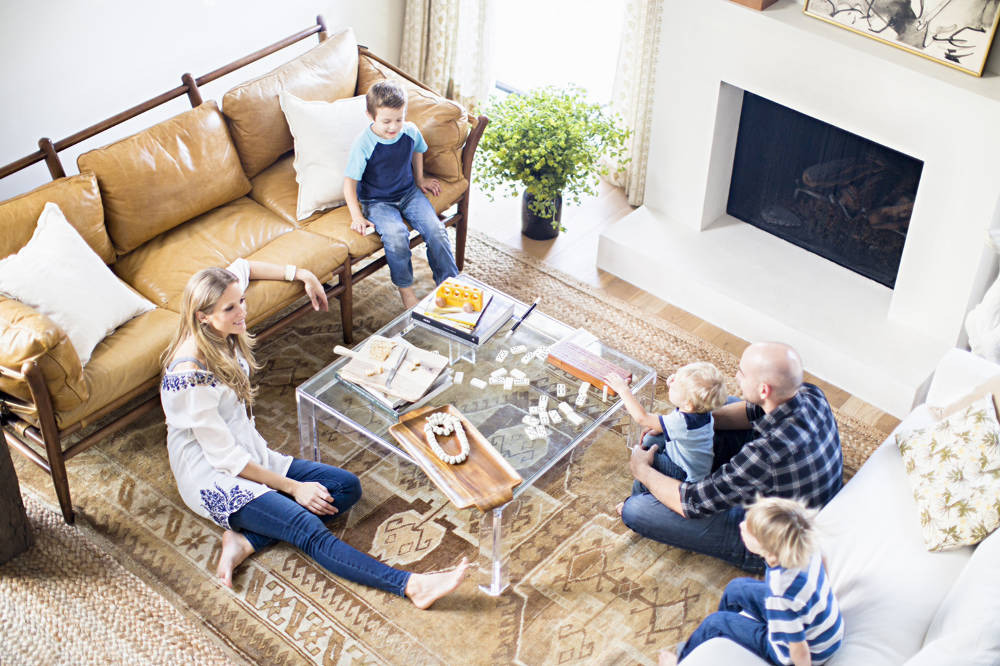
{"points": [[456, 294]]}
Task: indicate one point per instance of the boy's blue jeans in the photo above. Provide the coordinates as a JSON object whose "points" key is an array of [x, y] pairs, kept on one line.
{"points": [[742, 594], [414, 207], [277, 517], [717, 535]]}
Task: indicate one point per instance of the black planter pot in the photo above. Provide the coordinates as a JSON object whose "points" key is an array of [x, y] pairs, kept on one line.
{"points": [[539, 228]]}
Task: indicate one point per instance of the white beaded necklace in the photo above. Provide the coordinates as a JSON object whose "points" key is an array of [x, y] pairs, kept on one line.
{"points": [[442, 423]]}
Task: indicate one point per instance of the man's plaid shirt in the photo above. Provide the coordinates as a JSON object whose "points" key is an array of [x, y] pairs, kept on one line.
{"points": [[796, 454]]}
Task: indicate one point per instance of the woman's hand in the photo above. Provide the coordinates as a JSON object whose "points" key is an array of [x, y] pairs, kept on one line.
{"points": [[315, 497], [314, 289]]}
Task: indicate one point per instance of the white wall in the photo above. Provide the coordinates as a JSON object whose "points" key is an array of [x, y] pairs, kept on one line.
{"points": [[67, 64]]}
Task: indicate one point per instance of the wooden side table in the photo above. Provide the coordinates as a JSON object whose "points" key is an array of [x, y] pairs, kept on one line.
{"points": [[15, 531]]}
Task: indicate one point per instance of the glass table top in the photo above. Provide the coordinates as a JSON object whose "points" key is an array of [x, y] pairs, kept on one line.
{"points": [[497, 413]]}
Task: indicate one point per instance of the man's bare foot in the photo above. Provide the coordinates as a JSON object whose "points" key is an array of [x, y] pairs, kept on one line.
{"points": [[235, 549], [619, 508], [424, 589], [667, 657], [409, 297]]}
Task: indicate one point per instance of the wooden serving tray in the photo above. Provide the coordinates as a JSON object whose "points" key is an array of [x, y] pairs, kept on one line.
{"points": [[485, 478]]}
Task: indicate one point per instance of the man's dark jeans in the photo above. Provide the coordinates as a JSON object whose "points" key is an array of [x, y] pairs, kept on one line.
{"points": [[717, 535]]}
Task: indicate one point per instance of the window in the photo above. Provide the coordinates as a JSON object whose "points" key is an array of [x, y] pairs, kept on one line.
{"points": [[556, 42]]}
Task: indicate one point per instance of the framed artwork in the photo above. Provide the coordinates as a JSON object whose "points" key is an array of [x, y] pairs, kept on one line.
{"points": [[957, 33]]}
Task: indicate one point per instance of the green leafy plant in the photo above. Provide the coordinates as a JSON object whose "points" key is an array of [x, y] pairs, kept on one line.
{"points": [[550, 141]]}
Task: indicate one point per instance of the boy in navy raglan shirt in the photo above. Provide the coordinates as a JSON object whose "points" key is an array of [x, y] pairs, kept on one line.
{"points": [[385, 184]]}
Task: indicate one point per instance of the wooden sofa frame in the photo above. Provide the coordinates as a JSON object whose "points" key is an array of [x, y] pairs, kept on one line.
{"points": [[32, 440]]}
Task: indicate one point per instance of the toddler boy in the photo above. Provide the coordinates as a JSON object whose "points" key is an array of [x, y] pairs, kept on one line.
{"points": [[790, 617], [686, 441], [385, 184]]}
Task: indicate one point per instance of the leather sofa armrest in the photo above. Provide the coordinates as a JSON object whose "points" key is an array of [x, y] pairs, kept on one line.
{"points": [[27, 335]]}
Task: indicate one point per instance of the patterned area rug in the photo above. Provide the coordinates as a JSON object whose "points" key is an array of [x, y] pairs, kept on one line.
{"points": [[585, 589]]}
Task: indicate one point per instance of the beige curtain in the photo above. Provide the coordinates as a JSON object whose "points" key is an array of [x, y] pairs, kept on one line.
{"points": [[446, 44], [632, 93]]}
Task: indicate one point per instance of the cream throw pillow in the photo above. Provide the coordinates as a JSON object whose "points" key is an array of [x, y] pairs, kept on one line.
{"points": [[954, 469], [323, 134], [59, 275]]}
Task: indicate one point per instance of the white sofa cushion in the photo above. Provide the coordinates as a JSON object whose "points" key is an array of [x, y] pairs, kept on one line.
{"points": [[324, 133], [58, 274], [965, 630], [887, 583]]}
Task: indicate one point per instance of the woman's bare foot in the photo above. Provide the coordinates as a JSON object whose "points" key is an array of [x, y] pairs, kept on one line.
{"points": [[619, 508], [667, 657], [424, 589], [235, 549]]}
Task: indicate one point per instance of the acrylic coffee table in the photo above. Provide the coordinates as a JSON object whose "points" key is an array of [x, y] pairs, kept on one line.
{"points": [[496, 413]]}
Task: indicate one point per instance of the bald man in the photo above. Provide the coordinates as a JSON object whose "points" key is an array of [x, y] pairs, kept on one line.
{"points": [[780, 440]]}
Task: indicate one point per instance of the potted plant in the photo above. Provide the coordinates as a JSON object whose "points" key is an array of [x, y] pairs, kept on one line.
{"points": [[549, 141]]}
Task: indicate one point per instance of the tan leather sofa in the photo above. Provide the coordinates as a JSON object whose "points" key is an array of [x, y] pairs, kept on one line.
{"points": [[197, 190]]}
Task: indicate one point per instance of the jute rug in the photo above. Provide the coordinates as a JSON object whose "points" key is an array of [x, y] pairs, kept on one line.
{"points": [[585, 589]]}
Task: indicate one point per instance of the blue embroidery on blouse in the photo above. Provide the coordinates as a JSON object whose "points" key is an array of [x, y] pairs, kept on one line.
{"points": [[176, 382], [221, 505]]}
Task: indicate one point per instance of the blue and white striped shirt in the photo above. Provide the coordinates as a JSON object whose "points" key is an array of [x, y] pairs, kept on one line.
{"points": [[801, 607]]}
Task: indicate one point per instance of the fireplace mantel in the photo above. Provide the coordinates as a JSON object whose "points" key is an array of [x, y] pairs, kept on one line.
{"points": [[877, 343]]}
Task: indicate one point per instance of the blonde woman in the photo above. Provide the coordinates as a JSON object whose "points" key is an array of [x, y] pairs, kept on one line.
{"points": [[224, 470]]}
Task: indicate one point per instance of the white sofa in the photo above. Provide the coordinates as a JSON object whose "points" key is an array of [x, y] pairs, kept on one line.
{"points": [[901, 603]]}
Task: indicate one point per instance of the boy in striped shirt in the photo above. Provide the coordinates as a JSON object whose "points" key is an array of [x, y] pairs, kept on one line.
{"points": [[791, 617]]}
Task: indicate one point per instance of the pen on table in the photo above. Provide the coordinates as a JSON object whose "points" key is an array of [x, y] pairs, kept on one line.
{"points": [[523, 317]]}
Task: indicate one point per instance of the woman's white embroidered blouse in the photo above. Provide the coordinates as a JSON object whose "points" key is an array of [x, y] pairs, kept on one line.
{"points": [[210, 438]]}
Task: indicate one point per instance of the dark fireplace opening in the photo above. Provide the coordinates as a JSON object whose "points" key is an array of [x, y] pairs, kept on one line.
{"points": [[826, 190]]}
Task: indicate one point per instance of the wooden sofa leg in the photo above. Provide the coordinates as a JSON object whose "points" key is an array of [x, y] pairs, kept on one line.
{"points": [[50, 433], [461, 229], [347, 302]]}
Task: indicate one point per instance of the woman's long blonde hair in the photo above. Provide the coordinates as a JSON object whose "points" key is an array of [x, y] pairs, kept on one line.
{"points": [[201, 294]]}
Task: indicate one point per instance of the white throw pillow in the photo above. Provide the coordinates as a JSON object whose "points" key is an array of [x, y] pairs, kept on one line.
{"points": [[323, 133], [966, 628], [59, 275]]}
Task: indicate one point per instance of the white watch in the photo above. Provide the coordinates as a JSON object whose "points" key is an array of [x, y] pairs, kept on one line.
{"points": [[290, 272]]}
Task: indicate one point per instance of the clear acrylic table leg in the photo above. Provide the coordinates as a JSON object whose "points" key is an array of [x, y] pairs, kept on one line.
{"points": [[308, 440], [646, 396], [491, 552]]}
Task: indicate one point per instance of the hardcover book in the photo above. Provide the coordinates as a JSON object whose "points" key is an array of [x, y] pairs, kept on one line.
{"points": [[474, 327]]}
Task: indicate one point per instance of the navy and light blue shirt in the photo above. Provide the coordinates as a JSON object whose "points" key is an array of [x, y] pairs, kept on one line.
{"points": [[689, 442], [801, 607], [384, 167]]}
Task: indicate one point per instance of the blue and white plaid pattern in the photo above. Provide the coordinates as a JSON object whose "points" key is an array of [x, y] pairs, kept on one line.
{"points": [[796, 454]]}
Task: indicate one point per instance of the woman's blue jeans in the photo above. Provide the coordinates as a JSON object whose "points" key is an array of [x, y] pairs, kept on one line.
{"points": [[415, 208], [717, 535], [742, 594], [277, 517]]}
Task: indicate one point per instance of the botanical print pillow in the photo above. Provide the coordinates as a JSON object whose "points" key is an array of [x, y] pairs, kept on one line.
{"points": [[954, 469]]}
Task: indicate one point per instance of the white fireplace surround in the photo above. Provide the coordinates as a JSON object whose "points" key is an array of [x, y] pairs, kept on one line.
{"points": [[879, 344]]}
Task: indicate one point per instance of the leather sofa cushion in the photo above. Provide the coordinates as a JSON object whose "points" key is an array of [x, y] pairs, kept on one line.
{"points": [[125, 361], [336, 224], [160, 268], [443, 122], [165, 175], [317, 253], [325, 73], [26, 334], [80, 201]]}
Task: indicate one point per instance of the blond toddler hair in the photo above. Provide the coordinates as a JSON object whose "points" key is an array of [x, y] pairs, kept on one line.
{"points": [[704, 385], [784, 528]]}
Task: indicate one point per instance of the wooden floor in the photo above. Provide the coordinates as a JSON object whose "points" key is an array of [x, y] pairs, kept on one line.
{"points": [[575, 252]]}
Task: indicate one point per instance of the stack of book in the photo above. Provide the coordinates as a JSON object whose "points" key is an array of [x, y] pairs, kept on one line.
{"points": [[476, 327]]}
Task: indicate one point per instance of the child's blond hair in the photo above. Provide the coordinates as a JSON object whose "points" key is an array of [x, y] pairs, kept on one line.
{"points": [[704, 385], [384, 94], [784, 528]]}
